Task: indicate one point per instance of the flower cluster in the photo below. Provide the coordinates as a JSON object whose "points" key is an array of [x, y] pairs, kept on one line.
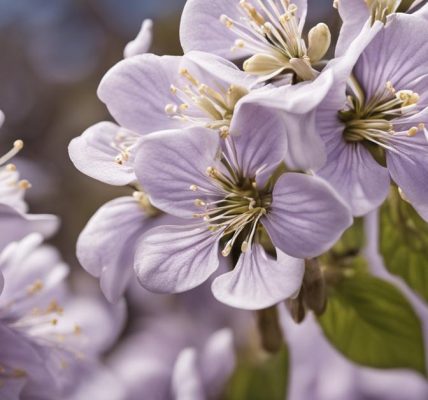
{"points": [[253, 146]]}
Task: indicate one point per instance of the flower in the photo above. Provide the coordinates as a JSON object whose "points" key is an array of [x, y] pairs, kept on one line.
{"points": [[142, 43], [355, 14], [269, 32], [48, 337], [14, 222], [234, 186], [148, 93], [374, 128]]}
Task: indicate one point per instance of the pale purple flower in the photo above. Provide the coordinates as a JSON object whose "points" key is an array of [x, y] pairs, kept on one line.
{"points": [[14, 223], [48, 337], [268, 33], [382, 111], [142, 43], [356, 13], [226, 186], [148, 93]]}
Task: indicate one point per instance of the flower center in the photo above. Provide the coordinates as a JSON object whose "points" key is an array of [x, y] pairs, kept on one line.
{"points": [[375, 120], [238, 204], [272, 31], [203, 105], [124, 143]]}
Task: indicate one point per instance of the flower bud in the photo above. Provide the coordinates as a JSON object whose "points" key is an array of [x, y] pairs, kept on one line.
{"points": [[270, 330], [319, 42], [296, 308], [265, 64], [314, 288]]}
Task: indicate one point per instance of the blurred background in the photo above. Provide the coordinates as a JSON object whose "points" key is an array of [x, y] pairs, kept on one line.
{"points": [[53, 55]]}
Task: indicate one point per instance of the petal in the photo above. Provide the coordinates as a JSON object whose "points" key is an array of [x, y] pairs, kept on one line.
{"points": [[306, 217], [174, 259], [120, 222], [93, 154], [200, 14], [186, 381], [142, 43], [136, 91], [384, 61], [354, 14], [295, 106], [170, 162], [259, 140], [217, 362], [1, 283], [259, 281], [215, 71], [355, 175], [14, 225], [409, 170]]}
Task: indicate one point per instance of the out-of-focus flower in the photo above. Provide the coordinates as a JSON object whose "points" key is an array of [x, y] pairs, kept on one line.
{"points": [[374, 127], [356, 13], [49, 338], [230, 184], [142, 43], [14, 222], [269, 32], [319, 372]]}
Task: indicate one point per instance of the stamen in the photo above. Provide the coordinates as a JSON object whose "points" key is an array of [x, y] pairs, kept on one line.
{"points": [[18, 145]]}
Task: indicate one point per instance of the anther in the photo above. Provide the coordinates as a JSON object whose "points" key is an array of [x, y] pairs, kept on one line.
{"points": [[193, 188], [24, 184], [170, 108], [200, 203], [412, 131], [226, 251], [226, 21]]}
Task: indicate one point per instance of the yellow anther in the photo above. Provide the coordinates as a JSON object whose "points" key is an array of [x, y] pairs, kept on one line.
{"points": [[18, 145], [226, 21], [200, 203], [36, 287], [11, 167], [412, 131], [226, 251], [244, 247], [170, 108], [54, 322], [184, 107], [224, 132], [211, 171], [193, 188], [186, 74], [24, 184], [252, 12]]}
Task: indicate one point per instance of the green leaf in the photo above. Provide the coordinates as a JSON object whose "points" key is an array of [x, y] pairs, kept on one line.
{"points": [[261, 379], [404, 243], [373, 324]]}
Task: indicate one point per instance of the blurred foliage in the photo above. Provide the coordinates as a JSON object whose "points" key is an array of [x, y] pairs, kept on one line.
{"points": [[373, 324], [404, 243], [261, 379]]}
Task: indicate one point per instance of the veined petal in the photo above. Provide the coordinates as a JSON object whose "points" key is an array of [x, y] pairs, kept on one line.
{"points": [[355, 175], [296, 106], [217, 361], [383, 61], [197, 16], [97, 153], [170, 162], [259, 139], [216, 71], [136, 91], [186, 380], [409, 170], [120, 222], [258, 281], [354, 14], [306, 217], [174, 259]]}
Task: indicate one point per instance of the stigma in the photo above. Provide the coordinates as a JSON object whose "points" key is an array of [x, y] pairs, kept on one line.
{"points": [[203, 105], [272, 31]]}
